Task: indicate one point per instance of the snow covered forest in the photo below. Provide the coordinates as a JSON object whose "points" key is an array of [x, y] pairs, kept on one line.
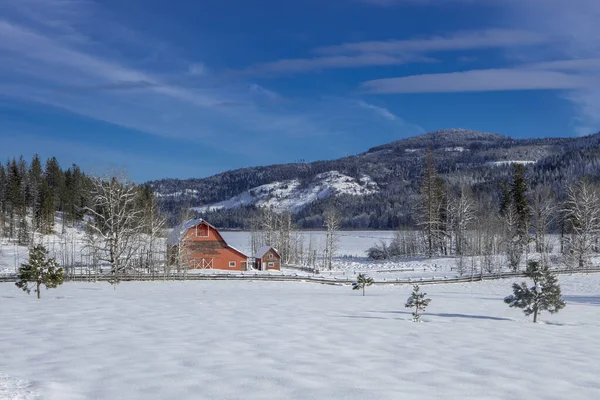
{"points": [[78, 218]]}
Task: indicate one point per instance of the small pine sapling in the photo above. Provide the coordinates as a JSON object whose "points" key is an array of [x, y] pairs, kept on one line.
{"points": [[40, 270], [417, 301], [544, 295], [362, 281]]}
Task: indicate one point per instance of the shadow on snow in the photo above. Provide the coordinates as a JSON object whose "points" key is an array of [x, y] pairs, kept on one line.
{"points": [[592, 300]]}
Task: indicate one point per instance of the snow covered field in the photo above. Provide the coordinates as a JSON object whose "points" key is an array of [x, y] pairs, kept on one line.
{"points": [[280, 340]]}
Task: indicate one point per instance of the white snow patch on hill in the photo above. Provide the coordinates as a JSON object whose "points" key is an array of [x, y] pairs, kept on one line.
{"points": [[499, 163], [177, 194], [291, 195]]}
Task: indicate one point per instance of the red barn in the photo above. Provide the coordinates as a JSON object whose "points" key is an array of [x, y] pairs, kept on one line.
{"points": [[196, 244], [267, 258]]}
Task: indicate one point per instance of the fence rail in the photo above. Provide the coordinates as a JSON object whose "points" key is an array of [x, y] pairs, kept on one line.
{"points": [[283, 277]]}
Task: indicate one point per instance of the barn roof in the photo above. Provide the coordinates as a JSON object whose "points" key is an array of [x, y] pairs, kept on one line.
{"points": [[177, 234], [264, 250]]}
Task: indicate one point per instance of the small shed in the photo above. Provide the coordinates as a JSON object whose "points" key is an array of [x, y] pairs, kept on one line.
{"points": [[267, 258], [196, 244]]}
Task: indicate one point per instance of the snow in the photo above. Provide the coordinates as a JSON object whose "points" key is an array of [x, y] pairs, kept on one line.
{"points": [[16, 389], [274, 340], [458, 149], [177, 194], [67, 247], [292, 196], [500, 163]]}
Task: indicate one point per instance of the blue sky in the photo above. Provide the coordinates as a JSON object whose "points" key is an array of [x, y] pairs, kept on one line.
{"points": [[187, 88]]}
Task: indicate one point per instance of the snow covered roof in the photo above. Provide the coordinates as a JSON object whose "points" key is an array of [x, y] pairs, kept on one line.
{"points": [[177, 234], [264, 250]]}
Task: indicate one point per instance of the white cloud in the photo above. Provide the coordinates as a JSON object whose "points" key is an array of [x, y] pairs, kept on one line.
{"points": [[384, 112], [477, 81], [197, 69], [296, 65], [485, 39], [44, 67]]}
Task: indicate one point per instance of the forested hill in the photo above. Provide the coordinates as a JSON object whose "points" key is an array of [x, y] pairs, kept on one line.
{"points": [[379, 189]]}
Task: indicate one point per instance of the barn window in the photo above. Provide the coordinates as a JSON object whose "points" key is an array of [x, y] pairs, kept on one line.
{"points": [[271, 264], [231, 264], [202, 230], [270, 256]]}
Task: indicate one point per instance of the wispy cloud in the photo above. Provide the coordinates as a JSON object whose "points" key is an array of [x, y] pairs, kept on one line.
{"points": [[485, 39], [395, 52], [477, 81], [295, 65], [382, 111], [548, 44], [39, 63]]}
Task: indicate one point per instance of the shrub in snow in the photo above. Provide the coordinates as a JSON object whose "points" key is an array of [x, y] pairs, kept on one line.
{"points": [[378, 252], [544, 295], [39, 271], [362, 281], [417, 301]]}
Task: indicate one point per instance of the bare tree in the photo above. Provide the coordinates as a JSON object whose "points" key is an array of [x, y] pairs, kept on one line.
{"points": [[543, 212], [582, 216], [153, 225], [462, 211], [117, 222], [332, 224]]}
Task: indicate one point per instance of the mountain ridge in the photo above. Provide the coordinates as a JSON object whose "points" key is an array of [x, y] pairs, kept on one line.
{"points": [[479, 159]]}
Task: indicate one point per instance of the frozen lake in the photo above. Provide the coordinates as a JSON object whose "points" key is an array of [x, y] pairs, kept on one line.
{"points": [[351, 243]]}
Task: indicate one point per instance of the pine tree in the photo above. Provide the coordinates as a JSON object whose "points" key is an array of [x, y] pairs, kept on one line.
{"points": [[544, 295], [362, 281], [39, 271], [417, 301], [432, 206], [515, 212], [3, 186], [518, 192], [35, 183]]}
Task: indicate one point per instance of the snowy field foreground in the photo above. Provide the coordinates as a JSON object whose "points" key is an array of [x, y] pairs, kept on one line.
{"points": [[282, 340]]}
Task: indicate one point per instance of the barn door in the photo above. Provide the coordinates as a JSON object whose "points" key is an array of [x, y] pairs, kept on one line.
{"points": [[207, 263]]}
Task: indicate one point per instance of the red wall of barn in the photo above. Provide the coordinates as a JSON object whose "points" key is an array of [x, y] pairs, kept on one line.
{"points": [[203, 242]]}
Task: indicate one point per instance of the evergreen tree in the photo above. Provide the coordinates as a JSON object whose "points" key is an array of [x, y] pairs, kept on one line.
{"points": [[432, 206], [544, 295], [14, 197], [362, 281], [418, 301], [3, 186], [515, 212], [35, 184], [53, 192], [518, 193], [40, 270]]}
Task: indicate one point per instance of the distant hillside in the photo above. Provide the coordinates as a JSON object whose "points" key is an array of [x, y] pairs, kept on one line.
{"points": [[378, 189]]}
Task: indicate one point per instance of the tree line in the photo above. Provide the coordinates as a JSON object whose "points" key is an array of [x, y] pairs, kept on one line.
{"points": [[121, 220], [502, 225], [31, 195]]}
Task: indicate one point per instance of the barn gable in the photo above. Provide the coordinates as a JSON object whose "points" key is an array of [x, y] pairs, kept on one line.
{"points": [[178, 233]]}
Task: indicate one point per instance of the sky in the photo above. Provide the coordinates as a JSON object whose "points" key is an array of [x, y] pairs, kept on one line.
{"points": [[188, 89]]}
